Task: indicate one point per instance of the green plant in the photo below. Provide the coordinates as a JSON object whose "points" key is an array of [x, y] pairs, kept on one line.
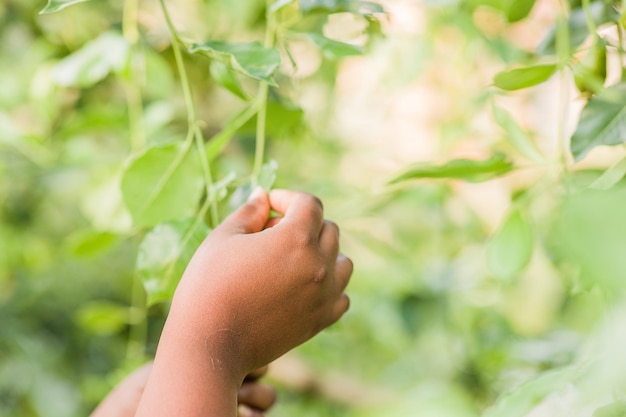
{"points": [[121, 139]]}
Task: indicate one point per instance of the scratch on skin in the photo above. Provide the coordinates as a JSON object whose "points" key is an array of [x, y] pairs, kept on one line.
{"points": [[216, 363]]}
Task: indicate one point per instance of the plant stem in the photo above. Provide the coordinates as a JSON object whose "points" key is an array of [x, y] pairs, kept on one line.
{"points": [[138, 333], [259, 155], [194, 131], [591, 24], [132, 87], [180, 66], [563, 51]]}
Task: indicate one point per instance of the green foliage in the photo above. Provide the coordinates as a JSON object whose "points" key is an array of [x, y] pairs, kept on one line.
{"points": [[93, 62], [122, 146], [518, 78], [56, 5], [464, 169], [163, 183], [511, 247], [164, 254], [516, 135], [602, 122], [250, 59]]}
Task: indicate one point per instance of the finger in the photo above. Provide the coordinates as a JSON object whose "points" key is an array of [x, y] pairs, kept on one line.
{"points": [[273, 221], [249, 218], [340, 307], [299, 209], [256, 395], [343, 272], [245, 411], [329, 239], [257, 373]]}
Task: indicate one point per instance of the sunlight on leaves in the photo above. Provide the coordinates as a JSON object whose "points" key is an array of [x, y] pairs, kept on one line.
{"points": [[56, 5], [93, 62], [530, 394]]}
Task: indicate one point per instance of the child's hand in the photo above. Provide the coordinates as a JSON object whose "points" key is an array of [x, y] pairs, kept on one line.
{"points": [[253, 399], [252, 293]]}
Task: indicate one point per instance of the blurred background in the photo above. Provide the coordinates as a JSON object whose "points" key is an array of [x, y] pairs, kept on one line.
{"points": [[498, 284]]}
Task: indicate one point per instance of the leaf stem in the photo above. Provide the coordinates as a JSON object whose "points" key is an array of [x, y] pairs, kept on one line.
{"points": [[259, 154], [563, 51], [132, 86], [138, 333], [591, 24], [262, 96], [194, 131]]}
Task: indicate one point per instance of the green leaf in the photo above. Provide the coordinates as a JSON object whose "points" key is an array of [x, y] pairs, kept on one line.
{"points": [[522, 400], [250, 59], [279, 4], [616, 409], [103, 205], [463, 169], [227, 79], [519, 78], [93, 62], [578, 28], [162, 184], [102, 317], [267, 176], [519, 9], [217, 143], [515, 134], [602, 122], [56, 5], [511, 247], [589, 234], [164, 254], [334, 49], [338, 6], [611, 176], [91, 243], [283, 120], [590, 73]]}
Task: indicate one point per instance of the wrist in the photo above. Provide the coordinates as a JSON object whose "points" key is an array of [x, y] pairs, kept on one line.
{"points": [[204, 336]]}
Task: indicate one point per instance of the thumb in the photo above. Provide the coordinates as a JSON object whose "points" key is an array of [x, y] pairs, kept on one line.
{"points": [[249, 218]]}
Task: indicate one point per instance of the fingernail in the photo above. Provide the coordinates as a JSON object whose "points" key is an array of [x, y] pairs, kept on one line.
{"points": [[257, 193], [243, 411]]}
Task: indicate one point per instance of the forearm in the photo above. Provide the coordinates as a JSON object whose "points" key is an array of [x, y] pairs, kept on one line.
{"points": [[189, 378]]}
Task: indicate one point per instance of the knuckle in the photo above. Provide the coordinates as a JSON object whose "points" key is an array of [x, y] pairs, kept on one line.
{"points": [[303, 239], [320, 272], [312, 201]]}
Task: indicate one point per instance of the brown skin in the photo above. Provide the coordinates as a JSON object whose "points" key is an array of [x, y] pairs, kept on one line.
{"points": [[253, 398], [250, 294]]}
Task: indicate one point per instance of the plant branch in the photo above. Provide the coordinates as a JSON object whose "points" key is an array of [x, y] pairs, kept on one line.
{"points": [[259, 155], [194, 131], [133, 92], [138, 333]]}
